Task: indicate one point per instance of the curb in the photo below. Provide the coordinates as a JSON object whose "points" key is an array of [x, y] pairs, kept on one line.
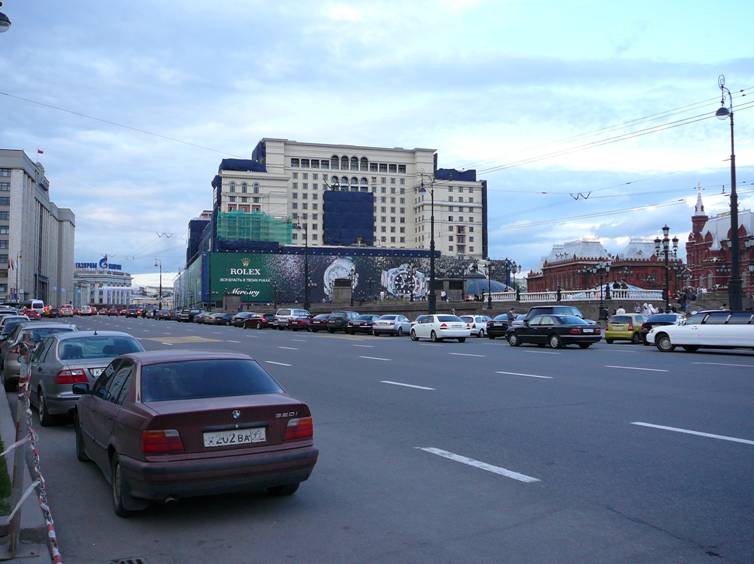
{"points": [[33, 527]]}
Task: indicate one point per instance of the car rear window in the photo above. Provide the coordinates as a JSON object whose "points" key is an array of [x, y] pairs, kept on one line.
{"points": [[739, 318], [620, 319], [198, 379], [467, 318], [96, 346], [448, 318], [388, 317], [38, 334]]}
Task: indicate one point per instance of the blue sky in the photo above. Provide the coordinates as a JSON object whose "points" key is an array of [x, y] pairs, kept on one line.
{"points": [[485, 83]]}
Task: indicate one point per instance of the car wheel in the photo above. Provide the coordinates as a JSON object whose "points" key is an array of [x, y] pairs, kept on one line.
{"points": [[461, 339], [433, 337], [690, 348], [258, 326], [585, 345], [413, 335], [400, 331], [80, 449], [635, 339], [663, 343], [282, 491], [608, 341], [555, 342], [314, 330], [331, 331], [491, 337], [45, 419], [123, 504], [513, 340]]}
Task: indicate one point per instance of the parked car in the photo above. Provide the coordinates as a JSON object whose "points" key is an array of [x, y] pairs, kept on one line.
{"points": [[123, 312], [339, 320], [134, 311], [218, 318], [555, 330], [552, 310], [659, 320], [362, 324], [392, 324], [66, 311], [13, 347], [719, 330], [64, 359], [319, 322], [113, 311], [86, 310], [497, 326], [299, 322], [439, 327], [240, 317], [8, 328], [172, 424], [187, 314], [11, 318], [476, 324], [260, 321], [282, 315], [165, 314], [201, 317], [624, 327]]}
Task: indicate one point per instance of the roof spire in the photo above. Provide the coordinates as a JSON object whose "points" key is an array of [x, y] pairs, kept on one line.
{"points": [[699, 207]]}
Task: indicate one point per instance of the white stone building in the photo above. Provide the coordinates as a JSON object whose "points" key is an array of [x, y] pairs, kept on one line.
{"points": [[101, 284], [286, 179], [36, 237]]}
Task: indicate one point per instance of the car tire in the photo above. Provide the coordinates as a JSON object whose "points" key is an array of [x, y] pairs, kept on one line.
{"points": [[635, 339], [433, 337], [585, 345], [608, 341], [690, 348], [663, 343], [555, 342], [45, 419], [331, 331], [80, 448], [313, 330], [282, 491], [491, 337], [461, 339], [413, 335], [513, 340], [400, 331], [123, 504]]}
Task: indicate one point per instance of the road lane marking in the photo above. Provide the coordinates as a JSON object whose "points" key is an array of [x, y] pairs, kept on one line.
{"points": [[620, 350], [405, 385], [288, 348], [374, 358], [697, 433], [527, 375], [541, 352], [170, 344], [299, 340], [468, 354], [726, 364], [499, 470], [231, 341], [364, 346], [277, 363], [636, 368]]}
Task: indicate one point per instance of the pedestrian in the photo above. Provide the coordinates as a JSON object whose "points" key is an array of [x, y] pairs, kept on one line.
{"points": [[620, 311], [382, 295], [444, 296], [511, 316], [645, 309], [637, 308]]}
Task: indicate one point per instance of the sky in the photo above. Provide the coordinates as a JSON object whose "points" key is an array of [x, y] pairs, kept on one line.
{"points": [[515, 89]]}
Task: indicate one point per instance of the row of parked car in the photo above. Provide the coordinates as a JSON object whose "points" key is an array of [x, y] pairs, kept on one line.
{"points": [[161, 425]]}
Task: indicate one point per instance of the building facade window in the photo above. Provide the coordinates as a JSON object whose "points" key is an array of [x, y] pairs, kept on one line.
{"points": [[294, 163], [4, 172], [4, 186]]}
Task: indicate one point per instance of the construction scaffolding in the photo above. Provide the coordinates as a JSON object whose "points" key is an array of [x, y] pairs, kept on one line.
{"points": [[253, 226]]}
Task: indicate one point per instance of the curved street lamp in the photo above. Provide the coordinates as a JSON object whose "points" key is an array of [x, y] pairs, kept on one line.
{"points": [[662, 248], [734, 283], [4, 21]]}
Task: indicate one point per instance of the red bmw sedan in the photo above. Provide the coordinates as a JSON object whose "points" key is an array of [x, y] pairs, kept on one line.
{"points": [[163, 425]]}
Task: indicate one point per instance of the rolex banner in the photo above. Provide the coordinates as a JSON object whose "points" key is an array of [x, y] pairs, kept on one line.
{"points": [[237, 274]]}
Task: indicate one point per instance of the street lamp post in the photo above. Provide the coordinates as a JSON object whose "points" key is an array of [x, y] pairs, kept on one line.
{"points": [[663, 246], [734, 284], [602, 269], [158, 262], [431, 299], [305, 227], [4, 21], [509, 267]]}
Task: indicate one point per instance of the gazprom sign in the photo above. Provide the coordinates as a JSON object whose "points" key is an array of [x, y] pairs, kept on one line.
{"points": [[101, 265]]}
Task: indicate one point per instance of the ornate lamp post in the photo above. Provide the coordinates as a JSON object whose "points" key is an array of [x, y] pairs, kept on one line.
{"points": [[509, 267], [602, 269], [663, 246], [431, 299], [4, 21], [158, 262]]}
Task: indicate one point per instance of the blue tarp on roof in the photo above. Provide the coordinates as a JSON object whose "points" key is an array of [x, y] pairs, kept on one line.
{"points": [[453, 174], [245, 165], [348, 218]]}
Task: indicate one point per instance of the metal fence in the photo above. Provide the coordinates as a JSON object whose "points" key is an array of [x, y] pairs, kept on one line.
{"points": [[576, 296]]}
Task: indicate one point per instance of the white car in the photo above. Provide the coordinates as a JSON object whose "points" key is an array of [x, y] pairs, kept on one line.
{"points": [[86, 310], [715, 329], [391, 324], [476, 324], [439, 327], [284, 314]]}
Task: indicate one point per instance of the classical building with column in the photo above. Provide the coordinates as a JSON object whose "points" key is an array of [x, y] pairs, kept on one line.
{"points": [[101, 284], [36, 236], [708, 249]]}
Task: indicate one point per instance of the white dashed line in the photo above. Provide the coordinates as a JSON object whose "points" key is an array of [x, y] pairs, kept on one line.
{"points": [[374, 358], [288, 348], [697, 433], [169, 344], [527, 375], [364, 346], [299, 340], [541, 352], [468, 354], [231, 341], [277, 363], [500, 471], [726, 364], [405, 385], [636, 368]]}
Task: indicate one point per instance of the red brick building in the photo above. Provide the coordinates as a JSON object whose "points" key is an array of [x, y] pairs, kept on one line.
{"points": [[568, 265], [708, 249]]}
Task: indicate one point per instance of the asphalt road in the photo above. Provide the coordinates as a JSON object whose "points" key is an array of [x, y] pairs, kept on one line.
{"points": [[496, 454]]}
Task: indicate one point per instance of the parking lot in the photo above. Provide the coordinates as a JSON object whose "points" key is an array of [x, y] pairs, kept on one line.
{"points": [[472, 451]]}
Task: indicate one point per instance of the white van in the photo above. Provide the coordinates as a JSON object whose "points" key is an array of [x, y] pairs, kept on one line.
{"points": [[36, 305]]}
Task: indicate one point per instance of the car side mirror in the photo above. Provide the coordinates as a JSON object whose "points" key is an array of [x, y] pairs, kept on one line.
{"points": [[81, 389]]}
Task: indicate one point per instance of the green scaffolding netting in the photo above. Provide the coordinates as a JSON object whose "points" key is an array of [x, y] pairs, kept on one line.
{"points": [[253, 226]]}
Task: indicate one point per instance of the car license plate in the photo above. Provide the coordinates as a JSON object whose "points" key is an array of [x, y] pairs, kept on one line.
{"points": [[235, 437], [588, 330], [95, 372], [498, 323]]}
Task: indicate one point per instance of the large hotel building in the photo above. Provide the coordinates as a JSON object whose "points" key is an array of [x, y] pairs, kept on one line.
{"points": [[289, 180]]}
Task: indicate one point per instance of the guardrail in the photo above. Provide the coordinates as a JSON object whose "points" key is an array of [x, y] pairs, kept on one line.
{"points": [[576, 296]]}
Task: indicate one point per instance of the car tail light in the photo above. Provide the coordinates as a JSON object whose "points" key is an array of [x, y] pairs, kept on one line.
{"points": [[161, 441], [299, 428], [597, 330], [71, 376], [444, 326], [575, 331], [630, 326]]}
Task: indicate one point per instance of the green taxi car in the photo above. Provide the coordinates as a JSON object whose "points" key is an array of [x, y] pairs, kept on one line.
{"points": [[624, 327]]}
